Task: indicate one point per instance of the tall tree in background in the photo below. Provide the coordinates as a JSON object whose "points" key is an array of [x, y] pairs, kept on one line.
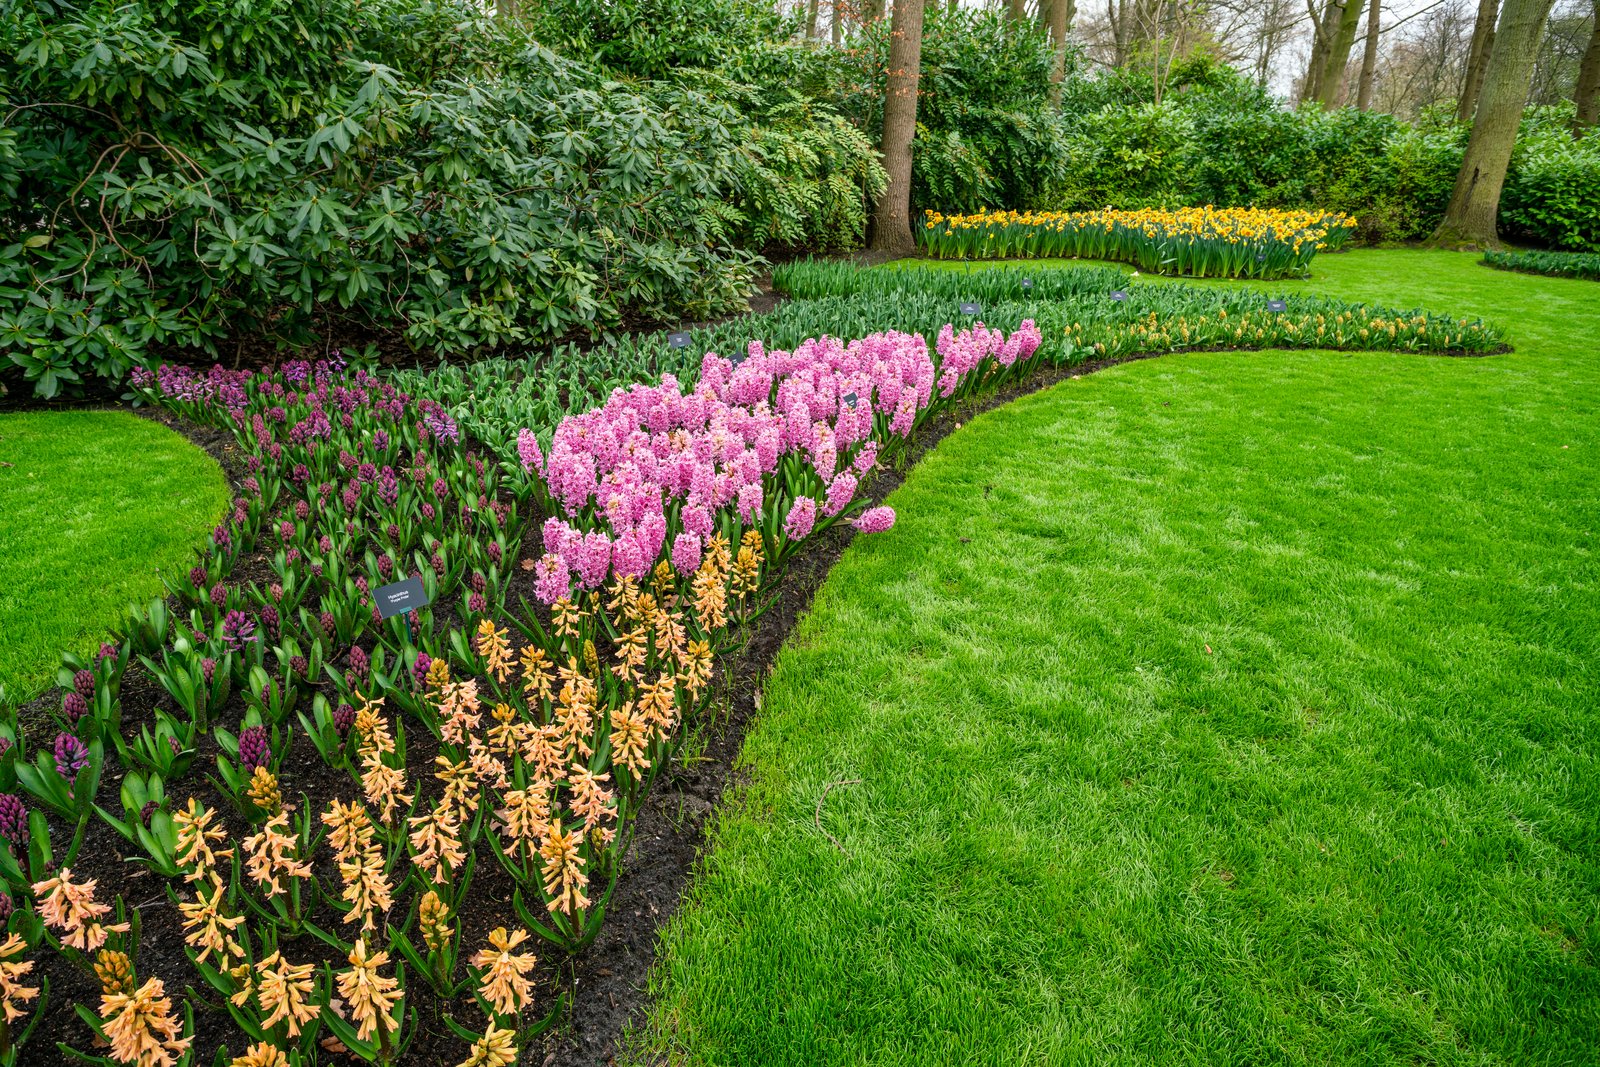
{"points": [[1477, 58], [891, 220], [1369, 58], [1587, 93], [1335, 34], [1471, 219], [1059, 20]]}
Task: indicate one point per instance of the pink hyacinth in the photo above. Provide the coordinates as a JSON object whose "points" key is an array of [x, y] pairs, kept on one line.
{"points": [[552, 580], [750, 500], [595, 559], [802, 517], [528, 452], [841, 491], [866, 459], [686, 553], [875, 520]]}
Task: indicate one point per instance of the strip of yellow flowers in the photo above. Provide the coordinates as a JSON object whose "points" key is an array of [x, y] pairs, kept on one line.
{"points": [[1196, 242]]}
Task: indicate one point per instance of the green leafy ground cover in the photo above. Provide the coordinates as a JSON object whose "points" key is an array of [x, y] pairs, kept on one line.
{"points": [[1219, 708]]}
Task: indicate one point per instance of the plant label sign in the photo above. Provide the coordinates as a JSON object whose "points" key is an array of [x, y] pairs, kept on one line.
{"points": [[970, 309], [738, 358], [1119, 296], [678, 340], [401, 597], [1027, 283], [1277, 305], [849, 400]]}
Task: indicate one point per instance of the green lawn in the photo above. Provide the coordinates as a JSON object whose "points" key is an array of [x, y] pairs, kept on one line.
{"points": [[1214, 709], [92, 505]]}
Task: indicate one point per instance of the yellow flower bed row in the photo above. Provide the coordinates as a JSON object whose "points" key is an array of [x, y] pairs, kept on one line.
{"points": [[1195, 242]]}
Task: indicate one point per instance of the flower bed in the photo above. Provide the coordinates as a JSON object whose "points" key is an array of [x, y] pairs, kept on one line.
{"points": [[1554, 264], [368, 826], [1193, 242]]}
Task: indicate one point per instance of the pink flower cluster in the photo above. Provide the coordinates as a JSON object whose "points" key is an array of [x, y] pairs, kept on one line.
{"points": [[651, 471], [961, 353]]}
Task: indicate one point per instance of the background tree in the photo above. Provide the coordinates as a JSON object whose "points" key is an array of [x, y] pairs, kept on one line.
{"points": [[891, 221], [1478, 53], [1369, 57], [1586, 95], [1472, 217]]}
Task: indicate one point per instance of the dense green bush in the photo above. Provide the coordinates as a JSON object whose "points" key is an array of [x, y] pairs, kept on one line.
{"points": [[1218, 138], [176, 175], [1555, 264]]}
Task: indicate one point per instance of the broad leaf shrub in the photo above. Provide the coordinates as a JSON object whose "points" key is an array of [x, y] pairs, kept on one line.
{"points": [[1555, 264], [179, 177], [585, 577], [1216, 137], [1194, 242]]}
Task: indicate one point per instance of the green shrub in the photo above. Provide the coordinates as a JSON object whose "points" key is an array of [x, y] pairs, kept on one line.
{"points": [[310, 170], [1552, 195]]}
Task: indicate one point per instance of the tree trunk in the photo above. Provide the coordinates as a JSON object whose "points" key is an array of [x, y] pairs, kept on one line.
{"points": [[1587, 94], [1018, 10], [891, 221], [1343, 38], [1061, 12], [811, 19], [835, 30], [1117, 18], [1478, 54], [1471, 219], [1369, 58], [1322, 29]]}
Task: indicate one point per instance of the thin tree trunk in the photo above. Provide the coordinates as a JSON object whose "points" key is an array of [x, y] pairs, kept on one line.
{"points": [[1321, 36], [1018, 10], [891, 221], [1587, 93], [1478, 54], [1339, 44], [1061, 12], [811, 19], [1471, 219], [835, 30], [1369, 58]]}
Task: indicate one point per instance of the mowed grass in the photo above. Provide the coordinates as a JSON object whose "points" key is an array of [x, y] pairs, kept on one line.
{"points": [[93, 506], [1214, 709]]}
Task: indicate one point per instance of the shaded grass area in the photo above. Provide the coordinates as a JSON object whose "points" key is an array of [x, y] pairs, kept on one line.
{"points": [[1220, 708], [93, 505]]}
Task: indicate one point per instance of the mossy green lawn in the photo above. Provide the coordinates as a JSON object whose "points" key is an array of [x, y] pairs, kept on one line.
{"points": [[1218, 708], [93, 505]]}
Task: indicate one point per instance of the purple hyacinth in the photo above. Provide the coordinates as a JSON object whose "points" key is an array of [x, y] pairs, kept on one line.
{"points": [[219, 595], [149, 809], [238, 630], [74, 707], [83, 683], [107, 651], [175, 745], [298, 666], [208, 668], [254, 750], [358, 660], [71, 756], [326, 621], [6, 908], [344, 717], [13, 819], [5, 745], [419, 669], [197, 577]]}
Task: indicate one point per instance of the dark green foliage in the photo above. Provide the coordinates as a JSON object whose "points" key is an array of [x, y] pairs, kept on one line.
{"points": [[1556, 264], [1218, 138], [176, 175]]}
